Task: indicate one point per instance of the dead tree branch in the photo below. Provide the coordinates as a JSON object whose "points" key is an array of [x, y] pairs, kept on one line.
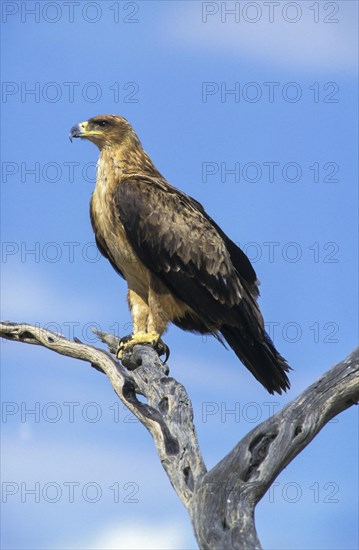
{"points": [[220, 502], [168, 413], [223, 507]]}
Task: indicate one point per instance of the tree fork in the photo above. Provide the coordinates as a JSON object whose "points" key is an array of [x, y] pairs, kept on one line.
{"points": [[220, 502]]}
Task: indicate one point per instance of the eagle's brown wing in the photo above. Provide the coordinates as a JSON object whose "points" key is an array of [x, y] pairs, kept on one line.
{"points": [[175, 239]]}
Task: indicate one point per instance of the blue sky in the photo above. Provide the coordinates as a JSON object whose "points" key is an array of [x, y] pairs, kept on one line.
{"points": [[254, 113]]}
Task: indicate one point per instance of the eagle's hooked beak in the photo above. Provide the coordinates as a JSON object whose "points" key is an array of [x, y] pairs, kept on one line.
{"points": [[78, 131], [81, 131]]}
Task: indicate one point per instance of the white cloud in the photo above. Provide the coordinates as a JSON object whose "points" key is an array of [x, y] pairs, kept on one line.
{"points": [[63, 461], [304, 44], [136, 536]]}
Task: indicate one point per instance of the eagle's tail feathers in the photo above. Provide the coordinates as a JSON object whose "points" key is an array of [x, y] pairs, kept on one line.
{"points": [[260, 357]]}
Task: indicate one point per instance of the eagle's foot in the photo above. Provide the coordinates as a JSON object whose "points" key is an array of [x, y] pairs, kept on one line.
{"points": [[146, 338]]}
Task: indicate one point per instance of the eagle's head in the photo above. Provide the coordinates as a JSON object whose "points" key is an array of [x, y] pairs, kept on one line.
{"points": [[103, 130]]}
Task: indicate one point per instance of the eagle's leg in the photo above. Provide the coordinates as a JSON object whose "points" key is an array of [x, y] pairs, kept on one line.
{"points": [[157, 316], [139, 311], [145, 331]]}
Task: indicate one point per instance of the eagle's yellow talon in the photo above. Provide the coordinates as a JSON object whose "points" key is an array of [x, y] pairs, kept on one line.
{"points": [[128, 342]]}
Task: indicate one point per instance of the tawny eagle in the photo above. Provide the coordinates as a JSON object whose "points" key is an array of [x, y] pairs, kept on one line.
{"points": [[179, 265]]}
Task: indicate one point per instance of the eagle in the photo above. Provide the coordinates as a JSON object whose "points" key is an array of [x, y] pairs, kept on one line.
{"points": [[179, 265]]}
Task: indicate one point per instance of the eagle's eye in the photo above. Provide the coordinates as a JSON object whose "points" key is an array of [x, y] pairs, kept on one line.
{"points": [[102, 123]]}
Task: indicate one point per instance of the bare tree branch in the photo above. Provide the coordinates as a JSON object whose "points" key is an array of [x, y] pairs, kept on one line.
{"points": [[168, 414], [221, 502], [223, 507]]}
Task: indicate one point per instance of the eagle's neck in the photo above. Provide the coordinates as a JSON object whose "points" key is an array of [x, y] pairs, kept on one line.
{"points": [[127, 159]]}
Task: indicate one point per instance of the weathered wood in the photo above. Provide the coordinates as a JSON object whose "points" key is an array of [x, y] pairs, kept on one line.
{"points": [[168, 413], [222, 510], [220, 502]]}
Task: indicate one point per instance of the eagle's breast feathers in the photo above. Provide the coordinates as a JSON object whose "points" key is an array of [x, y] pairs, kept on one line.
{"points": [[113, 241]]}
